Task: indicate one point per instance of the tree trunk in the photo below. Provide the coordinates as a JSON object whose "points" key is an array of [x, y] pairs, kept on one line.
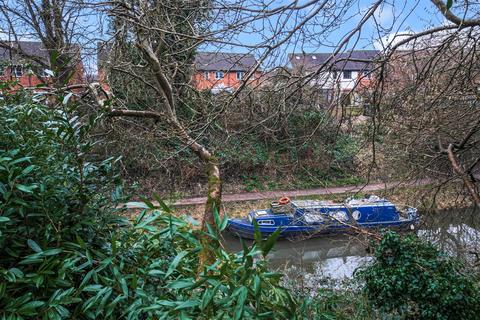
{"points": [[214, 184], [210, 161], [214, 193]]}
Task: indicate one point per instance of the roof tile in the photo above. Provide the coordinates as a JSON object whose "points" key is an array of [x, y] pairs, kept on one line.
{"points": [[341, 61]]}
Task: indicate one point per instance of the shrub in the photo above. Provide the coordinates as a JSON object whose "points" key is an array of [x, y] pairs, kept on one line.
{"points": [[53, 197], [412, 278], [345, 149], [65, 253]]}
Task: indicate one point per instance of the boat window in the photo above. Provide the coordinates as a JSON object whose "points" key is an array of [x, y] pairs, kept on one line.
{"points": [[266, 222]]}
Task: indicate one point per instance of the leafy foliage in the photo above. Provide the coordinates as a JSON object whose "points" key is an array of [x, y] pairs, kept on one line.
{"points": [[328, 304], [66, 254], [413, 279]]}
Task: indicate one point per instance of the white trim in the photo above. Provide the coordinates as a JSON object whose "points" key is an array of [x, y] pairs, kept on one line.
{"points": [[269, 222], [14, 70]]}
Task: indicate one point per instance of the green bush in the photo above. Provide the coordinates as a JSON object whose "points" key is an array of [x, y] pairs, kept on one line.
{"points": [[411, 278], [345, 149], [52, 197], [66, 254]]}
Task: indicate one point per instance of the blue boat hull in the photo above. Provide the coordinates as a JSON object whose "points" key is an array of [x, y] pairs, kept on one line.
{"points": [[244, 229], [311, 218]]}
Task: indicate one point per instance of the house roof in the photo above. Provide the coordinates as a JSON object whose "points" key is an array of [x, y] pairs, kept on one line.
{"points": [[204, 61], [342, 61], [31, 48], [223, 61]]}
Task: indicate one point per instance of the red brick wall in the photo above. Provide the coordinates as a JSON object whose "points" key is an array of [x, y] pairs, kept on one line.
{"points": [[229, 80], [102, 79], [31, 80]]}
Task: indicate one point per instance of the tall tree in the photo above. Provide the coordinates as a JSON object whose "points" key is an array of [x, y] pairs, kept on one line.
{"points": [[57, 24]]}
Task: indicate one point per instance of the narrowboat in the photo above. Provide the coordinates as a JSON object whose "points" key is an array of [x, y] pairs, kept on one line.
{"points": [[312, 218]]}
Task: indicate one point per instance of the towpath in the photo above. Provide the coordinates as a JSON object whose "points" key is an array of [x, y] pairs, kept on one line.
{"points": [[265, 195]]}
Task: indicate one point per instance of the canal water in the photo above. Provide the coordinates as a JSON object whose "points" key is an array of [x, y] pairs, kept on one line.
{"points": [[335, 258]]}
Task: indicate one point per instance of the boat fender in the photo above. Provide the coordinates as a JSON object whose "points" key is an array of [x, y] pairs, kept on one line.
{"points": [[284, 200]]}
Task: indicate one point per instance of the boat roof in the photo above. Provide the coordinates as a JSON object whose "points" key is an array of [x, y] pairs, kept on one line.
{"points": [[371, 201]]}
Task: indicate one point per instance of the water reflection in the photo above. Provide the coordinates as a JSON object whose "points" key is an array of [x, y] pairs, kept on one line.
{"points": [[456, 232]]}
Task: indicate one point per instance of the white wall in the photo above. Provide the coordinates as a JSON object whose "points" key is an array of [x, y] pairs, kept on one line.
{"points": [[326, 80]]}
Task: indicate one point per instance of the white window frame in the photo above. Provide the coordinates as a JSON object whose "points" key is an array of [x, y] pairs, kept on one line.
{"points": [[14, 70], [206, 75], [240, 75], [345, 73], [266, 222], [219, 75]]}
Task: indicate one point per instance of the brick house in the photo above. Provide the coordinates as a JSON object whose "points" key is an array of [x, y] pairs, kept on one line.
{"points": [[342, 77], [221, 71], [217, 72], [25, 71]]}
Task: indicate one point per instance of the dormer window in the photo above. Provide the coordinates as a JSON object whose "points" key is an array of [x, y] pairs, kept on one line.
{"points": [[240, 75], [219, 75], [16, 70]]}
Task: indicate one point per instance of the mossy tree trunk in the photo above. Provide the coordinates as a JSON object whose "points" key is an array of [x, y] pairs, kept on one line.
{"points": [[165, 112]]}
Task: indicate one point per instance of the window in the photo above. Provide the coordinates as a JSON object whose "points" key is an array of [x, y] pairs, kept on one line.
{"points": [[205, 74], [17, 71], [240, 75], [2, 70], [219, 75], [266, 222], [366, 74], [347, 74], [335, 74]]}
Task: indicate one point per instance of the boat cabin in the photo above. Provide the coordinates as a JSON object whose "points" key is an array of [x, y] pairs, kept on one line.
{"points": [[311, 212]]}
